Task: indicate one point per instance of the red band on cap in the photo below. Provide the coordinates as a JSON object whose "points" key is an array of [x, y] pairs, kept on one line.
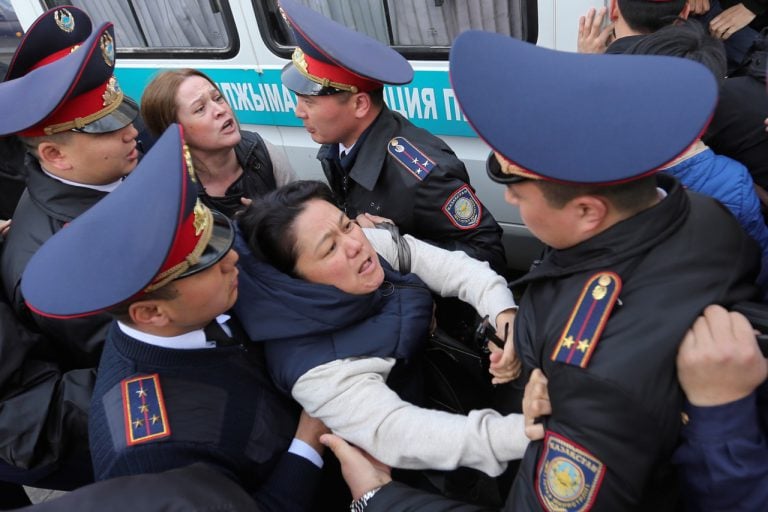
{"points": [[183, 245], [338, 74]]}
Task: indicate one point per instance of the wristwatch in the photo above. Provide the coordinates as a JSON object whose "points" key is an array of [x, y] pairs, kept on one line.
{"points": [[360, 503]]}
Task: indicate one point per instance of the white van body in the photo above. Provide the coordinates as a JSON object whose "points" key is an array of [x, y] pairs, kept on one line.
{"points": [[247, 69]]}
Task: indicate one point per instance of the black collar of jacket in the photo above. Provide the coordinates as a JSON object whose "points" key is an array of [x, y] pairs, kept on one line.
{"points": [[58, 200], [622, 241], [372, 154]]}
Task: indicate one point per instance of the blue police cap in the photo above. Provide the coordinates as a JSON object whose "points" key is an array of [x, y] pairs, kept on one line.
{"points": [[331, 58], [151, 230], [70, 88], [578, 118]]}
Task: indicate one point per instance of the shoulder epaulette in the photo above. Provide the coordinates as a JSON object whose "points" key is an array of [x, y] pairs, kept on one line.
{"points": [[410, 157], [144, 409]]}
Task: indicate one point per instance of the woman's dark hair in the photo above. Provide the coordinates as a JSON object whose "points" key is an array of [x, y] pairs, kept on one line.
{"points": [[689, 40], [267, 225]]}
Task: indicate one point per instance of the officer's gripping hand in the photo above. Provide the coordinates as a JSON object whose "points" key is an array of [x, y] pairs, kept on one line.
{"points": [[730, 21], [505, 365], [698, 6], [362, 472], [536, 404], [719, 360]]}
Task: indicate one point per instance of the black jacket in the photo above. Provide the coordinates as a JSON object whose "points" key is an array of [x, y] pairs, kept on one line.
{"points": [[46, 393], [620, 416], [373, 181]]}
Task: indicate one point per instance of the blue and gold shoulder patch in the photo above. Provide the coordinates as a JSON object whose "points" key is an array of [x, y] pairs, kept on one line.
{"points": [[568, 477], [409, 156], [463, 209], [144, 409], [582, 332]]}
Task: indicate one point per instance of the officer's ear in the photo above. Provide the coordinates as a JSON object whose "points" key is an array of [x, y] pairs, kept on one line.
{"points": [[52, 157], [362, 104], [591, 214], [148, 313], [613, 10]]}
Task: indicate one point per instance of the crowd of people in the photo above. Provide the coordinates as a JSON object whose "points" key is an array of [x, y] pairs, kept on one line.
{"points": [[188, 326]]}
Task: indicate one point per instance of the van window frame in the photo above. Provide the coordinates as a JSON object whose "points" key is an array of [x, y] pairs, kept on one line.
{"points": [[165, 52], [269, 22]]}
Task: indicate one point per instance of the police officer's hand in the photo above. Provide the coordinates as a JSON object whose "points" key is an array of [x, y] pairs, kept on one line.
{"points": [[593, 38], [362, 472], [698, 6], [719, 360], [367, 220], [505, 365], [5, 225], [309, 430], [536, 404], [730, 21]]}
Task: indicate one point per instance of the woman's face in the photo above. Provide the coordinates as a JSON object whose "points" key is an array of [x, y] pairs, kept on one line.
{"points": [[208, 121], [333, 250]]}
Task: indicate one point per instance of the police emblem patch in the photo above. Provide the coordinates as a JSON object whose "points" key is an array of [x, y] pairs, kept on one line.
{"points": [[413, 160], [585, 326], [64, 20], [463, 209], [144, 409], [568, 477], [107, 48]]}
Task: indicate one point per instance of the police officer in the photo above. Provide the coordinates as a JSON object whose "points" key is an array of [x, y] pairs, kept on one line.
{"points": [[61, 99], [632, 260], [376, 161], [177, 382]]}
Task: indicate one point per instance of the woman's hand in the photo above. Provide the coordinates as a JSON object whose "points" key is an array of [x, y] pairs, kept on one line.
{"points": [[367, 220], [5, 225], [505, 365], [698, 6], [592, 37]]}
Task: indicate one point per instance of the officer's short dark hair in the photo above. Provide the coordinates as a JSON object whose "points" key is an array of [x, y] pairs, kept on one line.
{"points": [[121, 311], [31, 143], [377, 97], [689, 40], [267, 225], [630, 197], [646, 16]]}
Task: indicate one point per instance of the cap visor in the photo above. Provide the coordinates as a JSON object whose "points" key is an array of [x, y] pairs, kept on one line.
{"points": [[493, 168], [298, 83], [119, 118]]}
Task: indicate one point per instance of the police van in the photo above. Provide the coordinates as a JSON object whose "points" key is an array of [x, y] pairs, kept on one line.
{"points": [[243, 45]]}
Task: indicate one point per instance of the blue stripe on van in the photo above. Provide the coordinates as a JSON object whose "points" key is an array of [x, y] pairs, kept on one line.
{"points": [[260, 98]]}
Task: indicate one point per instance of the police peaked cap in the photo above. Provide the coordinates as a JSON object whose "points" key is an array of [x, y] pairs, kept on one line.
{"points": [[70, 89], [150, 231], [331, 58], [57, 30], [578, 118]]}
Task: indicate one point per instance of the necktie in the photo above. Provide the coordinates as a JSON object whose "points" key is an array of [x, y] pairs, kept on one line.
{"points": [[214, 332]]}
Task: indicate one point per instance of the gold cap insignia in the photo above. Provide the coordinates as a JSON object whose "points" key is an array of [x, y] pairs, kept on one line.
{"points": [[112, 93], [107, 48], [201, 218], [190, 165], [64, 20]]}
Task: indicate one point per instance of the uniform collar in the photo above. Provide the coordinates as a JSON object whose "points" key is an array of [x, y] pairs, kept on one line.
{"points": [[193, 340]]}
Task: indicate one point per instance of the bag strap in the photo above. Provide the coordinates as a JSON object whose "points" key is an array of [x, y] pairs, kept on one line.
{"points": [[403, 249]]}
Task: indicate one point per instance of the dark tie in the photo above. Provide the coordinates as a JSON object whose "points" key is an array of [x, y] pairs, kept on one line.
{"points": [[214, 332]]}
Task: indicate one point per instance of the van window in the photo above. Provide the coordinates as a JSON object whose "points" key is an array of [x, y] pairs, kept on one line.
{"points": [[10, 34], [417, 28], [162, 28]]}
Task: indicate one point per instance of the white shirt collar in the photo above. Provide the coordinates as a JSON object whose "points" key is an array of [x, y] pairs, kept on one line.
{"points": [[187, 341], [109, 187], [345, 149]]}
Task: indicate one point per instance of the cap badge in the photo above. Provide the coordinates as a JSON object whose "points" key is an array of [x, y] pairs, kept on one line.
{"points": [[112, 92], [190, 165], [107, 49], [64, 20], [201, 218]]}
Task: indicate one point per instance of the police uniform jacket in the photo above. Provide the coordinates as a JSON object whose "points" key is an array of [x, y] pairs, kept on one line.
{"points": [[430, 199], [156, 409], [723, 457], [55, 372], [615, 422]]}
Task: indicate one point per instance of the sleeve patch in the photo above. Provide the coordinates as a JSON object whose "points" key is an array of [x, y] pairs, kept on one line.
{"points": [[590, 314], [409, 156], [144, 409], [463, 209], [568, 477]]}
